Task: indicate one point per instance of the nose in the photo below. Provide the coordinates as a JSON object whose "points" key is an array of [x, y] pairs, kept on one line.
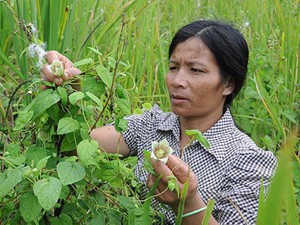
{"points": [[179, 79]]}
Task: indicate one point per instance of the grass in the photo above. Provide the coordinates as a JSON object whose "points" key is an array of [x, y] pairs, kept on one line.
{"points": [[268, 107]]}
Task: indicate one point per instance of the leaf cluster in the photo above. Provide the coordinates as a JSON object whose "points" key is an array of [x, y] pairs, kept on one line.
{"points": [[51, 164]]}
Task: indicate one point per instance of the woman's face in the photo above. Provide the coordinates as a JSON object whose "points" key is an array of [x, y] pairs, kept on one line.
{"points": [[194, 82]]}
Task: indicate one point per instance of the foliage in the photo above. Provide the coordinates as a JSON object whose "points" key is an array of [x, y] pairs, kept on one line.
{"points": [[121, 48], [93, 186]]}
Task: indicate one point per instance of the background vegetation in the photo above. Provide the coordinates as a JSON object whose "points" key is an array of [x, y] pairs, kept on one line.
{"points": [[137, 33]]}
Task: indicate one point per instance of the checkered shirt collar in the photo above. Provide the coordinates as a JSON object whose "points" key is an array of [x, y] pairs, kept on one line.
{"points": [[216, 135]]}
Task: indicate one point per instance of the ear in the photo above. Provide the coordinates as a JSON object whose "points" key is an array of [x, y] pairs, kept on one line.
{"points": [[229, 86]]}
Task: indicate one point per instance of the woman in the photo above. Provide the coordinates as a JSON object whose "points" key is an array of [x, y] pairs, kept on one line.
{"points": [[207, 68]]}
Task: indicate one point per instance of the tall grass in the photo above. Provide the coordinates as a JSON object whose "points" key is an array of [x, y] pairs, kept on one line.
{"points": [[268, 107]]}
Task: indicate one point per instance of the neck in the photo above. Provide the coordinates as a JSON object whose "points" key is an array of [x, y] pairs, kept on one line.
{"points": [[201, 123]]}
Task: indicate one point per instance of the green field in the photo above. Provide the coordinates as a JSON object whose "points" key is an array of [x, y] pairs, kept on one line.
{"points": [[122, 49]]}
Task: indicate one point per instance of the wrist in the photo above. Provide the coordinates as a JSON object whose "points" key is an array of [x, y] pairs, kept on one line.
{"points": [[192, 203]]}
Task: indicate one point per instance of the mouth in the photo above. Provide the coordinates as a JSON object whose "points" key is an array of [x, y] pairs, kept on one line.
{"points": [[177, 96], [178, 99]]}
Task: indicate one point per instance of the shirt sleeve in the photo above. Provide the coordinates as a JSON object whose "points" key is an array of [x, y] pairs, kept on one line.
{"points": [[238, 202], [138, 127]]}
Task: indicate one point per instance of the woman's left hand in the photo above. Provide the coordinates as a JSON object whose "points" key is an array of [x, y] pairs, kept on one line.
{"points": [[174, 167]]}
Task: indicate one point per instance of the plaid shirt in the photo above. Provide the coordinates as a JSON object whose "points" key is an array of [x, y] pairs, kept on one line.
{"points": [[229, 172]]}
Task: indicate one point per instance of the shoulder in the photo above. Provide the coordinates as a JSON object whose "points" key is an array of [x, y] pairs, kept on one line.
{"points": [[251, 158], [154, 115], [241, 154]]}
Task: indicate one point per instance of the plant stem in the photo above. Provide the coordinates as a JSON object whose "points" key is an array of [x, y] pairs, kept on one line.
{"points": [[114, 75]]}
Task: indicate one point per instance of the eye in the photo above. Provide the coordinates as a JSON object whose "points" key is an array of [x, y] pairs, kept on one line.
{"points": [[196, 70], [173, 68]]}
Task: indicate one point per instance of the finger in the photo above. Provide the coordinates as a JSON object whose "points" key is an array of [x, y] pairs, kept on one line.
{"points": [[43, 87], [179, 168], [43, 77], [58, 81], [71, 72], [161, 186], [52, 55], [66, 62], [48, 76], [149, 181], [161, 168]]}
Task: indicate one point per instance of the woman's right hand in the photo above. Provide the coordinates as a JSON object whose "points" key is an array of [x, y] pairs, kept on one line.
{"points": [[69, 69]]}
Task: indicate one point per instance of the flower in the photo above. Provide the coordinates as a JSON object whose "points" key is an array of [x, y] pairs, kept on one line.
{"points": [[161, 151], [37, 51], [57, 68]]}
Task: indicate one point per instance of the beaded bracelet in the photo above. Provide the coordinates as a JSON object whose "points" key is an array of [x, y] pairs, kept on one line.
{"points": [[193, 212]]}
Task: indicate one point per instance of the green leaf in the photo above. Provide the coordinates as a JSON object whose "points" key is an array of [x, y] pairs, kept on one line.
{"points": [[147, 203], [44, 101], [124, 105], [16, 160], [32, 212], [86, 151], [208, 211], [26, 170], [182, 202], [76, 96], [127, 202], [69, 172], [63, 219], [47, 191], [64, 193], [110, 172], [93, 85], [83, 62], [147, 106], [34, 154], [147, 162], [54, 112], [261, 200], [290, 115], [112, 62], [95, 99], [199, 136], [269, 212], [291, 205], [99, 219], [69, 142], [173, 184], [105, 75], [23, 119], [84, 131], [67, 125], [9, 181], [121, 92], [114, 217], [63, 95], [42, 163], [95, 50], [13, 149], [120, 124]]}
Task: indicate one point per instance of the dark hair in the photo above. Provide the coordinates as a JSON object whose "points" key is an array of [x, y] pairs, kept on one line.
{"points": [[226, 43]]}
